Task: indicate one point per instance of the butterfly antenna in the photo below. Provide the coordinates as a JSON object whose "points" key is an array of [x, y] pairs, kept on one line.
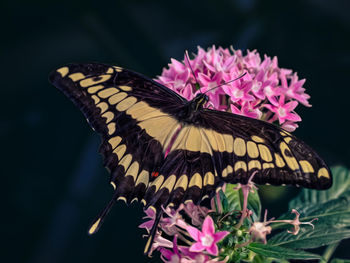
{"points": [[241, 76], [188, 61], [100, 218]]}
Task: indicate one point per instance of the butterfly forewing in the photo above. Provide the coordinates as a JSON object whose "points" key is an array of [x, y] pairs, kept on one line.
{"points": [[127, 110]]}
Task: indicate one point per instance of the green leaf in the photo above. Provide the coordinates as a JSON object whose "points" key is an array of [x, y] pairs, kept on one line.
{"points": [[235, 201], [328, 252], [224, 202], [309, 238], [334, 213], [281, 252], [233, 198], [331, 207], [338, 260], [254, 204], [261, 259], [340, 187]]}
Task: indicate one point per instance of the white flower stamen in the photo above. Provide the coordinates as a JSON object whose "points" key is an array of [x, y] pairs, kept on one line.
{"points": [[268, 91], [207, 240], [238, 93], [256, 86], [282, 112]]}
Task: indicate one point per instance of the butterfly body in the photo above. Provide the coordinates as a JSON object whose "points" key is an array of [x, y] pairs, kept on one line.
{"points": [[148, 129]]}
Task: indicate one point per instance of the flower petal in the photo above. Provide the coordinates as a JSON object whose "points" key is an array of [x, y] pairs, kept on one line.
{"points": [[148, 224], [166, 253], [291, 105], [220, 235], [208, 226], [197, 247], [194, 232], [293, 117], [213, 250]]}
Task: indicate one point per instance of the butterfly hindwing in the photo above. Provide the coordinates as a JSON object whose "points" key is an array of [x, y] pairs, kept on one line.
{"points": [[272, 154]]}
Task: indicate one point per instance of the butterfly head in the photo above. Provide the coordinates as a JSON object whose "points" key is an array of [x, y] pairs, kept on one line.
{"points": [[199, 101]]}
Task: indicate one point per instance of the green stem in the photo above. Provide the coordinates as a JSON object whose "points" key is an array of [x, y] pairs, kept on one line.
{"points": [[329, 252]]}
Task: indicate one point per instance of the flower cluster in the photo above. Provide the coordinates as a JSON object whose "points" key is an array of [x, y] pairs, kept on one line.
{"points": [[199, 245], [190, 235], [265, 92], [196, 234]]}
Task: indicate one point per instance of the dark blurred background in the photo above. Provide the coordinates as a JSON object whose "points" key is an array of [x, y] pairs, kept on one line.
{"points": [[53, 180]]}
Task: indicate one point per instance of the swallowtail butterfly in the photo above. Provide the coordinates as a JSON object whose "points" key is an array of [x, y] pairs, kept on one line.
{"points": [[163, 150]]}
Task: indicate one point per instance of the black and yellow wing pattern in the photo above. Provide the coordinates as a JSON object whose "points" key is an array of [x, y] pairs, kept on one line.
{"points": [[161, 151]]}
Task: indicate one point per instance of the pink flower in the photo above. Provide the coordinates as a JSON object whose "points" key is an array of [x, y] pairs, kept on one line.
{"points": [[259, 230], [181, 254], [265, 87], [150, 214], [160, 242], [246, 84], [239, 93], [207, 239], [169, 224], [284, 110], [294, 90], [206, 83], [295, 222], [202, 258], [169, 256], [289, 126], [247, 109], [196, 213]]}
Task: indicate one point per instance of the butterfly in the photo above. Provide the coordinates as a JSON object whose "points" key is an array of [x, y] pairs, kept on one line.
{"points": [[163, 150]]}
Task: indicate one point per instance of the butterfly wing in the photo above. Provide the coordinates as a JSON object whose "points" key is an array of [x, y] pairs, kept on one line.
{"points": [[139, 121], [242, 146], [217, 147], [133, 116], [160, 158]]}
